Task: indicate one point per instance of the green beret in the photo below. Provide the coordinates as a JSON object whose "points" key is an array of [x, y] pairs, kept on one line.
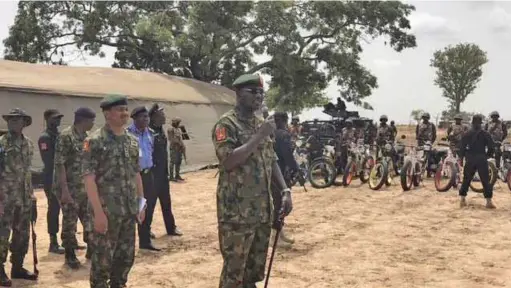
{"points": [[248, 79], [113, 100]]}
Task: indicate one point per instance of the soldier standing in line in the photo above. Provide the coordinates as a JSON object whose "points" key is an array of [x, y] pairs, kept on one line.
{"points": [[16, 195], [348, 135], [177, 149], [46, 144], [498, 132], [393, 129], [161, 170], [114, 189], [68, 184], [425, 131], [295, 129], [455, 133], [247, 167], [476, 146], [140, 130], [383, 135]]}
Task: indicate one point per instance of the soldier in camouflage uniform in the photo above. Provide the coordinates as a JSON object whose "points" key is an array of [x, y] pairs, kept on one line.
{"points": [[425, 131], [177, 149], [17, 199], [68, 184], [244, 203], [348, 135], [394, 130], [384, 133], [295, 128], [498, 132], [114, 189], [455, 132]]}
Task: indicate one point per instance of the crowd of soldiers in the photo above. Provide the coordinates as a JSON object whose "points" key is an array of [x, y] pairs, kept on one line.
{"points": [[110, 179]]}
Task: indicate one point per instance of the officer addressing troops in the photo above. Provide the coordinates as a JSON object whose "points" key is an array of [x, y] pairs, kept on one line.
{"points": [[161, 170], [140, 130], [68, 185], [247, 167], [114, 189], [46, 144], [476, 145], [177, 149], [498, 132], [17, 199]]}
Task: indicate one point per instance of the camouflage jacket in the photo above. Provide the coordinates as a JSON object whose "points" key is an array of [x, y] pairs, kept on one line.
{"points": [[497, 130], [243, 194], [455, 133], [15, 175], [114, 161], [176, 139], [69, 153], [425, 132], [384, 134], [348, 135]]}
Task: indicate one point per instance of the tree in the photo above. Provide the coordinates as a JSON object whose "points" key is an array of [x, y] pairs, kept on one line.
{"points": [[310, 44], [417, 114], [458, 71]]}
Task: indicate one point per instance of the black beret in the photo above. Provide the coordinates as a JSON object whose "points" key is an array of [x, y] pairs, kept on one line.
{"points": [[113, 100], [280, 115], [137, 111], [155, 108], [51, 113], [85, 112]]}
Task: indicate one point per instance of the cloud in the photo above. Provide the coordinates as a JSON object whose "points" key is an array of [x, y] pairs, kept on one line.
{"points": [[386, 63], [431, 25], [500, 20]]}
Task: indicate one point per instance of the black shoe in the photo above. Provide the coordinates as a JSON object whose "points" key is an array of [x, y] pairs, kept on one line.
{"points": [[54, 246], [71, 260], [179, 178], [4, 279], [22, 273], [175, 232], [149, 247]]}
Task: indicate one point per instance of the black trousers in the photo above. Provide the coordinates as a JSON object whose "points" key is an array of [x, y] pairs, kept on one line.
{"points": [[144, 229], [162, 189], [277, 204], [479, 164], [497, 155], [53, 212]]}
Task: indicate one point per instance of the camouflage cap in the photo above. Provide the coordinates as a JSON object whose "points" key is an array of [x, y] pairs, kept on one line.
{"points": [[349, 120], [17, 112], [137, 111], [52, 113], [155, 108], [248, 79], [112, 101], [176, 119]]}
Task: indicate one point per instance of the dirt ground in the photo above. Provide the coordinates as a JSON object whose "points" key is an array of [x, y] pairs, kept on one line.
{"points": [[345, 237]]}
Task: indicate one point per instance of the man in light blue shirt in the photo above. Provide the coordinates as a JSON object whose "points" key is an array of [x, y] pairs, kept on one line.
{"points": [[140, 129]]}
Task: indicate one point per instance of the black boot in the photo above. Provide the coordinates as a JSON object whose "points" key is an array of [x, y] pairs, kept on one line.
{"points": [[4, 280], [71, 259], [54, 246], [18, 272], [171, 172], [178, 175], [88, 254]]}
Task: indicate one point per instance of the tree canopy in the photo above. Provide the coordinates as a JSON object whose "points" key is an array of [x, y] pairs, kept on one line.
{"points": [[308, 44], [458, 71], [417, 114]]}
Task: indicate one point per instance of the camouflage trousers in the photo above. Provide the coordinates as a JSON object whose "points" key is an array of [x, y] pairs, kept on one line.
{"points": [[70, 215], [244, 249], [113, 253], [17, 219]]}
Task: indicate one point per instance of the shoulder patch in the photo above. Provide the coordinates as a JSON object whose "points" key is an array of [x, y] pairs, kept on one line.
{"points": [[43, 146], [220, 133], [86, 146]]}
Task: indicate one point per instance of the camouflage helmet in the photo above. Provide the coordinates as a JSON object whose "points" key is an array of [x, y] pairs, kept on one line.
{"points": [[426, 115], [295, 118], [384, 117], [458, 117], [494, 114], [349, 120]]}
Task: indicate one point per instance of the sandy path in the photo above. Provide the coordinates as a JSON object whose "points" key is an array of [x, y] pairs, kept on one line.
{"points": [[345, 237]]}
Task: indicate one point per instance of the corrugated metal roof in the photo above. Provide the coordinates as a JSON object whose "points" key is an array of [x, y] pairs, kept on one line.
{"points": [[98, 82]]}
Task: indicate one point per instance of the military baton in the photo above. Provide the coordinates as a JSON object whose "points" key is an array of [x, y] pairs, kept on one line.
{"points": [[275, 242]]}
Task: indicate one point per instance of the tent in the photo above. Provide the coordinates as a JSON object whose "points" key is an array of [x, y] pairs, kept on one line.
{"points": [[37, 87]]}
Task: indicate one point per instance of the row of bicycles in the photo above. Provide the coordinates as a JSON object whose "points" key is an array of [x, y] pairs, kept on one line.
{"points": [[410, 164]]}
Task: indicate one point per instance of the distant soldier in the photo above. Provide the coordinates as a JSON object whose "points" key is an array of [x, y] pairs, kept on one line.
{"points": [[247, 166], [393, 129], [68, 184], [17, 199], [295, 129], [47, 143], [455, 132], [348, 136], [498, 132], [161, 170], [114, 189], [476, 145], [425, 131], [177, 150], [384, 133]]}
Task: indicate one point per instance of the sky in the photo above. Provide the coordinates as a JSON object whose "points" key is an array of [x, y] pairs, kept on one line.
{"points": [[405, 79]]}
